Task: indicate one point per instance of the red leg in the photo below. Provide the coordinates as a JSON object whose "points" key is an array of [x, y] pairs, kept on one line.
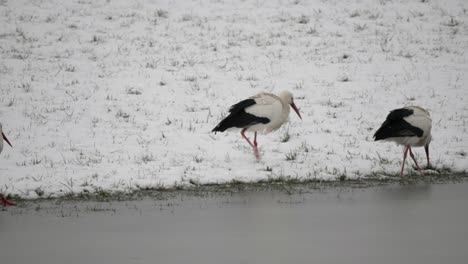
{"points": [[246, 138], [255, 139], [405, 152], [415, 162], [5, 201], [426, 148], [257, 155]]}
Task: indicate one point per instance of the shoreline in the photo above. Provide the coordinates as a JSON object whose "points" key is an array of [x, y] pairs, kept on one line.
{"points": [[286, 185]]}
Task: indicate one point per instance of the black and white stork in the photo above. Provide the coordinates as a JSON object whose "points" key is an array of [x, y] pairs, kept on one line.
{"points": [[3, 137], [264, 112], [408, 126]]}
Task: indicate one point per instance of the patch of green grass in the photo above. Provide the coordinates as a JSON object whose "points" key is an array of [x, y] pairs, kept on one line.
{"points": [[285, 137], [291, 155]]}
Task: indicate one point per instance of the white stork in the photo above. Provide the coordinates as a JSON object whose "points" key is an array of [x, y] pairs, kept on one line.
{"points": [[3, 137], [408, 126], [263, 112]]}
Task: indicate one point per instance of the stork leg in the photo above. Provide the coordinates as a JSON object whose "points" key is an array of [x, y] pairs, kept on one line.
{"points": [[415, 162], [250, 143], [257, 155], [246, 138], [426, 148], [405, 152], [5, 201]]}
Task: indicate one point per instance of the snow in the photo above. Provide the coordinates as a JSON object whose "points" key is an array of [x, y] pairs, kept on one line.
{"points": [[122, 95]]}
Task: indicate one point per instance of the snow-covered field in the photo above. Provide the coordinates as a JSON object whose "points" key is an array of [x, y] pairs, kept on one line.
{"points": [[122, 95]]}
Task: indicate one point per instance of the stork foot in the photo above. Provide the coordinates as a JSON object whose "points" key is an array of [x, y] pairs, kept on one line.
{"points": [[6, 202], [421, 171], [256, 153]]}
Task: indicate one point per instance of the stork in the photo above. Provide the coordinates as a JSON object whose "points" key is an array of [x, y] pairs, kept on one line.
{"points": [[408, 126], [3, 137], [264, 112]]}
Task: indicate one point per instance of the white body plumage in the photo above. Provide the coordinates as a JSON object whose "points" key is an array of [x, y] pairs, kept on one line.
{"points": [[420, 119], [275, 108]]}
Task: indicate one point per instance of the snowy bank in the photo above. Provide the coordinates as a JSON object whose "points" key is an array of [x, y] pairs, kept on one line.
{"points": [[122, 95]]}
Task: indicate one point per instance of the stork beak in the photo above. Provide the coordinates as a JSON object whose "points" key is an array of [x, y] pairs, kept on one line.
{"points": [[6, 139], [296, 110]]}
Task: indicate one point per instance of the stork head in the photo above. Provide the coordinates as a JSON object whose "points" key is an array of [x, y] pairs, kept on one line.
{"points": [[3, 135], [287, 97]]}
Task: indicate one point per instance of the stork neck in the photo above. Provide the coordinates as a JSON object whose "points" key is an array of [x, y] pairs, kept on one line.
{"points": [[285, 113]]}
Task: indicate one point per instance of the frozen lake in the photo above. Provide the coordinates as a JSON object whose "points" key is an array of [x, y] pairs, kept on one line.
{"points": [[393, 223]]}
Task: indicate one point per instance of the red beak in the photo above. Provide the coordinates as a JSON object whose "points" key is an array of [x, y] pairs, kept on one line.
{"points": [[296, 110], [6, 139]]}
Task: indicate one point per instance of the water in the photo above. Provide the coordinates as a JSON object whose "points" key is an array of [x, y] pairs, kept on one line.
{"points": [[416, 223]]}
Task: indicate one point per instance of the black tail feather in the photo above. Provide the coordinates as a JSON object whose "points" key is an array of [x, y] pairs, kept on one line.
{"points": [[383, 132], [239, 119], [397, 128], [224, 124]]}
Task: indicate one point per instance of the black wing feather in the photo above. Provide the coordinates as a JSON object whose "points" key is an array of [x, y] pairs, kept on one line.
{"points": [[239, 118], [396, 126], [241, 105]]}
